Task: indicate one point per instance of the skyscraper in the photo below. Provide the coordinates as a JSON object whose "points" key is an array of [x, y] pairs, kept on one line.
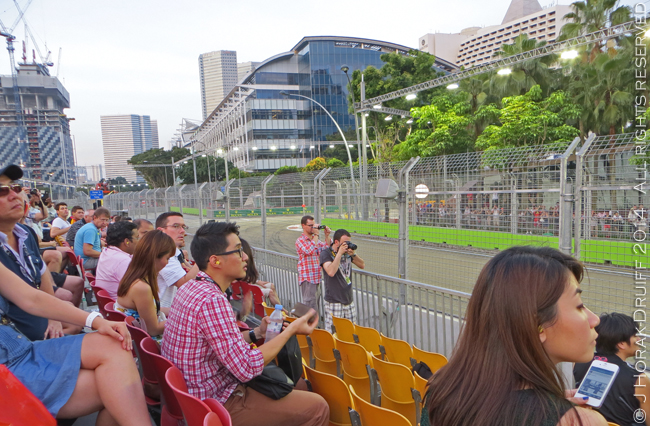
{"points": [[218, 75], [155, 143], [124, 136]]}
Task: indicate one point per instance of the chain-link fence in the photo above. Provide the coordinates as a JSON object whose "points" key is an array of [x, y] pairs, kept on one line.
{"points": [[438, 220]]}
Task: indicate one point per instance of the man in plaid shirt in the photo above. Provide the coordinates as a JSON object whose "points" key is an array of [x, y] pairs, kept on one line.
{"points": [[202, 339], [309, 247]]}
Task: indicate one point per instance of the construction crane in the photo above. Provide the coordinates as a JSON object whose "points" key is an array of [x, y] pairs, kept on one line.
{"points": [[22, 134]]}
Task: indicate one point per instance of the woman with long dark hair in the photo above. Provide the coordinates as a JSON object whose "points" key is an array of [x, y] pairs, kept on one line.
{"points": [[137, 295], [524, 317]]}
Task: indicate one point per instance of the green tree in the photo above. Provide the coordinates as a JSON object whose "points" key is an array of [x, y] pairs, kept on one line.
{"points": [[317, 163], [161, 176], [335, 162], [217, 170], [340, 153], [287, 169]]}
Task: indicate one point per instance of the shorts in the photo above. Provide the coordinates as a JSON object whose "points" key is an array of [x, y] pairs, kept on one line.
{"points": [[59, 279]]}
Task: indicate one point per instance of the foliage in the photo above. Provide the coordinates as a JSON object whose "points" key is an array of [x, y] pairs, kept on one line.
{"points": [[335, 162], [217, 172], [158, 177], [287, 169], [340, 153], [317, 163]]}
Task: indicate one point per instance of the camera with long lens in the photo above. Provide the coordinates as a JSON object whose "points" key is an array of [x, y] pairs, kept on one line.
{"points": [[351, 245], [321, 227]]}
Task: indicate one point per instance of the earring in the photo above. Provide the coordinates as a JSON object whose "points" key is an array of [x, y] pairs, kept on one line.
{"points": [[540, 329]]}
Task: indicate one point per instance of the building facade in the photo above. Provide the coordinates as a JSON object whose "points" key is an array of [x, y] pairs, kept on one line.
{"points": [[261, 129], [41, 144], [476, 46], [124, 136], [218, 76]]}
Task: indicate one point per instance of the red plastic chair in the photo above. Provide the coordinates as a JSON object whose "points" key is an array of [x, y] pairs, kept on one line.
{"points": [[220, 411], [236, 290], [103, 299], [74, 261], [194, 410], [212, 420], [148, 372], [112, 314], [20, 406], [258, 298], [171, 412]]}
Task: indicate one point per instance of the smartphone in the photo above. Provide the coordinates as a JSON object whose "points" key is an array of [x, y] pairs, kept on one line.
{"points": [[300, 309], [597, 382]]}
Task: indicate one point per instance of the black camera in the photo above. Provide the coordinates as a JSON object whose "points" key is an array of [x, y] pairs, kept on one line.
{"points": [[321, 227], [351, 245]]}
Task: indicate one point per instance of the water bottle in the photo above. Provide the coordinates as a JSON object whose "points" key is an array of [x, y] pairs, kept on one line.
{"points": [[275, 327]]}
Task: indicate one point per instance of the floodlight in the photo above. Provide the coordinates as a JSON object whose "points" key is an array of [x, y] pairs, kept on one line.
{"points": [[504, 71], [411, 96]]}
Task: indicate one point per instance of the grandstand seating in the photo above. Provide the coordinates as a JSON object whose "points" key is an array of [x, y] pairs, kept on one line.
{"points": [[194, 410], [344, 329], [212, 419], [371, 415], [305, 348], [102, 300], [397, 351], [149, 378], [433, 360], [420, 385], [353, 361], [236, 290], [370, 339], [112, 314], [171, 412], [19, 405], [336, 394], [323, 351], [397, 389]]}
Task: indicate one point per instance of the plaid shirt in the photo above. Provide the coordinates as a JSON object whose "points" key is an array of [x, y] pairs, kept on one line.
{"points": [[202, 339], [308, 255]]}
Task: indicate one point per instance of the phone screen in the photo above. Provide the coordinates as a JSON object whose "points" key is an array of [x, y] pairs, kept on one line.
{"points": [[596, 382]]}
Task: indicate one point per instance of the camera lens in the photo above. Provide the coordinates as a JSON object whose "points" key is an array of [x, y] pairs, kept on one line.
{"points": [[352, 246], [321, 227]]}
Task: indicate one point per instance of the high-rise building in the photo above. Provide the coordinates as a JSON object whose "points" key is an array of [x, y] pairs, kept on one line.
{"points": [[42, 144], [476, 46], [124, 136], [155, 143], [245, 68], [218, 74], [95, 172]]}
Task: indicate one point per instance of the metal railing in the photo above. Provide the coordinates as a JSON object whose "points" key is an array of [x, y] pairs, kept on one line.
{"points": [[427, 316]]}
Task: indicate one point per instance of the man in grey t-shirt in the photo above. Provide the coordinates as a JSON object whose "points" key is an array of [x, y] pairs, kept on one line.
{"points": [[336, 262]]}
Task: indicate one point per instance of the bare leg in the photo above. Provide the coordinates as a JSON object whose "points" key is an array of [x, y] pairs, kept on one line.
{"points": [[109, 382], [74, 285], [53, 260]]}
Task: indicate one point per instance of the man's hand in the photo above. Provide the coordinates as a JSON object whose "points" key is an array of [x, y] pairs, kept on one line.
{"points": [[54, 330], [247, 304], [327, 231], [263, 324], [301, 325]]}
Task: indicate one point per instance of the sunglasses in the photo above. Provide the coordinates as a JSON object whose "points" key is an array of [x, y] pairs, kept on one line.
{"points": [[5, 189]]}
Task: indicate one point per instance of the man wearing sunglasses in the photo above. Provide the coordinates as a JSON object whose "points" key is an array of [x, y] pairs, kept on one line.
{"points": [[178, 271], [19, 253], [202, 339]]}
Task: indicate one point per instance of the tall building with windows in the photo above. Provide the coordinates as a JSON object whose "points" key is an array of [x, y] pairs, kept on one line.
{"points": [[218, 75], [260, 129], [41, 144], [124, 136], [476, 46], [155, 143]]}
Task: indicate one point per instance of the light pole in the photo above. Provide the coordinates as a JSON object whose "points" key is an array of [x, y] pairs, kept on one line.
{"points": [[225, 163], [345, 142]]}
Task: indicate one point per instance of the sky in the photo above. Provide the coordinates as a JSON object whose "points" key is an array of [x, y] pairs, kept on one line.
{"points": [[141, 56]]}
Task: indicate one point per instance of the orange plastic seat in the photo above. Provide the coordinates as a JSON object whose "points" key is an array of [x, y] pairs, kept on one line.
{"points": [[370, 339], [171, 412], [433, 360], [344, 329], [268, 310], [397, 351], [323, 351], [397, 385], [420, 385], [336, 394], [371, 415], [304, 348], [354, 362]]}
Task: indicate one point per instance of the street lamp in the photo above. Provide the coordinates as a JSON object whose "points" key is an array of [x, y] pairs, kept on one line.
{"points": [[345, 70], [345, 142]]}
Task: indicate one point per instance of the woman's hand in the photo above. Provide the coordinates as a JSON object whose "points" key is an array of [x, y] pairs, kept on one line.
{"points": [[116, 330], [570, 395], [54, 330]]}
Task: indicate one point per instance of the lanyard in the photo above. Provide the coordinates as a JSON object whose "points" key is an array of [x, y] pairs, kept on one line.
{"points": [[33, 275]]}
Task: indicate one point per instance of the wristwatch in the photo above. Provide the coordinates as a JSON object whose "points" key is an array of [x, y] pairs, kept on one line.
{"points": [[252, 336]]}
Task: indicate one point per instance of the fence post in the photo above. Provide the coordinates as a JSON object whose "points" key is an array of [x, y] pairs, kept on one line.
{"points": [[317, 194], [226, 203], [167, 203], [263, 208], [566, 201], [514, 215], [578, 197], [339, 197], [458, 197], [403, 217], [180, 197], [200, 195]]}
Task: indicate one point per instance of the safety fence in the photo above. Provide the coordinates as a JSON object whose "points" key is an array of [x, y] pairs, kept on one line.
{"points": [[438, 220], [424, 315]]}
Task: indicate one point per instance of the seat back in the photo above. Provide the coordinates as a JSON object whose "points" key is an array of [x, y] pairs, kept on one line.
{"points": [[268, 310], [354, 364], [258, 299], [335, 392], [161, 365], [212, 419], [397, 386], [236, 290], [323, 351], [112, 314], [102, 300], [219, 410], [420, 384], [304, 348], [376, 416], [344, 329], [397, 351], [369, 338], [194, 410], [138, 335], [20, 406], [433, 360]]}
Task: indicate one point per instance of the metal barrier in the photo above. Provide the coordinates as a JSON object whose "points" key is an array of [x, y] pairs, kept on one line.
{"points": [[424, 315]]}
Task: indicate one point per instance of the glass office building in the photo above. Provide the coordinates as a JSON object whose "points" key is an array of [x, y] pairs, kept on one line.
{"points": [[284, 130]]}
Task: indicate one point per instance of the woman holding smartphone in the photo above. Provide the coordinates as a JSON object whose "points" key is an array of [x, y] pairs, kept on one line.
{"points": [[524, 317]]}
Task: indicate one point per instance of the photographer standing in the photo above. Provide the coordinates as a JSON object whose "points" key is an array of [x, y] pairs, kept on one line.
{"points": [[337, 263], [309, 248]]}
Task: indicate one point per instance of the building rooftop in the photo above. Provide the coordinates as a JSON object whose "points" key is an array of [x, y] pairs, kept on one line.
{"points": [[520, 8]]}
